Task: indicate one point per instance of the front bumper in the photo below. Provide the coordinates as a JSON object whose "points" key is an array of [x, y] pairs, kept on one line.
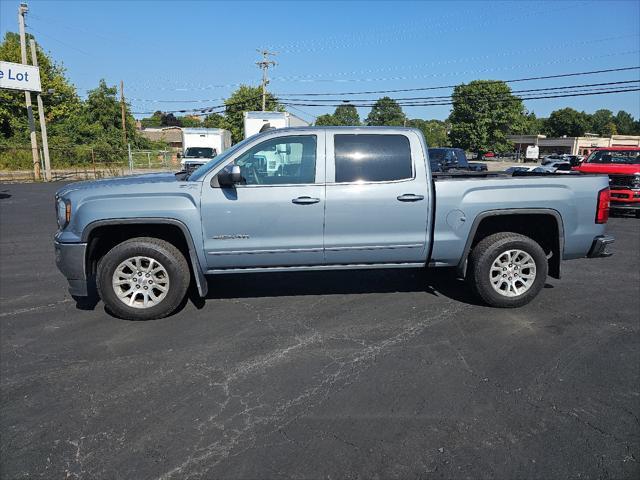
{"points": [[70, 260], [625, 199], [599, 246]]}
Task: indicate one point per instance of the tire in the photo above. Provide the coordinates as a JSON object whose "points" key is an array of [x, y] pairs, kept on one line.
{"points": [[143, 279], [494, 264]]}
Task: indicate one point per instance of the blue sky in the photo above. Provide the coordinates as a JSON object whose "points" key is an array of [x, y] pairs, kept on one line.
{"points": [[170, 53]]}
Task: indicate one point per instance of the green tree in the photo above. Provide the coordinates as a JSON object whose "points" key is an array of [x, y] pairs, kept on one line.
{"points": [[347, 115], [434, 131], [245, 99], [569, 122], [60, 98], [386, 111], [190, 121], [326, 120], [154, 121], [625, 124], [532, 124], [601, 121], [484, 112], [214, 120], [344, 115]]}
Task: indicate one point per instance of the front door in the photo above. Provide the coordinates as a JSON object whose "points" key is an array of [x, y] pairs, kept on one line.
{"points": [[275, 217]]}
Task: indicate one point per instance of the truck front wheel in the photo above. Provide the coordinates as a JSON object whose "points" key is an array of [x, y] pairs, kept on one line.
{"points": [[507, 269], [143, 279]]}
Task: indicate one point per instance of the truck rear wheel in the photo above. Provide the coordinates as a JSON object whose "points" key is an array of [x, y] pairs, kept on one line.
{"points": [[143, 279], [507, 269]]}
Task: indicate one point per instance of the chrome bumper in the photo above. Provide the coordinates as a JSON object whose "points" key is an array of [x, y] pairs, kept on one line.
{"points": [[599, 246], [70, 260]]}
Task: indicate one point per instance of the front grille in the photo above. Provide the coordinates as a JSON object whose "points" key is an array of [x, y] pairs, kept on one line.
{"points": [[620, 181]]}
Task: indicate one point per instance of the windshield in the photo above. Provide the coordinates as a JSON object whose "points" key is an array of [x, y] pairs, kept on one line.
{"points": [[615, 156], [201, 171], [199, 152]]}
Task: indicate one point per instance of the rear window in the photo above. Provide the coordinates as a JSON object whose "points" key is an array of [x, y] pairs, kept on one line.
{"points": [[615, 156], [372, 158]]}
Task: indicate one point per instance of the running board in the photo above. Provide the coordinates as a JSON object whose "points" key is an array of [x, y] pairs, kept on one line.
{"points": [[314, 268]]}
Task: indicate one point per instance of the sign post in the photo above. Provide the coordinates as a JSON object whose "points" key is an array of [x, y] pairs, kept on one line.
{"points": [[43, 123]]}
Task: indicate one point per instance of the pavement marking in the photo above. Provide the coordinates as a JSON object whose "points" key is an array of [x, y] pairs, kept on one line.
{"points": [[32, 309]]}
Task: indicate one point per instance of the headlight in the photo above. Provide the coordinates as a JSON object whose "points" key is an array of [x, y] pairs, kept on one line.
{"points": [[635, 181], [63, 210]]}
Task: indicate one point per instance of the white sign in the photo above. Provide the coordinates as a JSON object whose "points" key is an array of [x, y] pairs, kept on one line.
{"points": [[17, 76]]}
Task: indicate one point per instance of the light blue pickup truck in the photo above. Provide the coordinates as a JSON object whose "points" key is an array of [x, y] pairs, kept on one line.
{"points": [[323, 199]]}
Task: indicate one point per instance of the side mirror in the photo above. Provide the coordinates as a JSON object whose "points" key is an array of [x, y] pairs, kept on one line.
{"points": [[228, 178], [179, 154]]}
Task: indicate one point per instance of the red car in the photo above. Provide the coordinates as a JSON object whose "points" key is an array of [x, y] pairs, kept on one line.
{"points": [[622, 164]]}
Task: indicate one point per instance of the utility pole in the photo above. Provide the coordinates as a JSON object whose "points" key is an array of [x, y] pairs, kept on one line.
{"points": [[43, 124], [22, 9], [122, 110], [264, 64]]}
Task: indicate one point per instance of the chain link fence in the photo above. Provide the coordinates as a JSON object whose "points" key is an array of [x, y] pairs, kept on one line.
{"points": [[84, 162]]}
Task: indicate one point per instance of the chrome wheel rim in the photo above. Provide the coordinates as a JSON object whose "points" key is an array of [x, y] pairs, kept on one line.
{"points": [[512, 273], [140, 282]]}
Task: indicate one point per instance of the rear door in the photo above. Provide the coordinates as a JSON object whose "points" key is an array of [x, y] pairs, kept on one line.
{"points": [[376, 198]]}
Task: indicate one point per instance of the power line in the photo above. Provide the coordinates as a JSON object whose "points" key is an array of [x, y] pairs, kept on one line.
{"points": [[468, 94], [490, 99], [420, 89]]}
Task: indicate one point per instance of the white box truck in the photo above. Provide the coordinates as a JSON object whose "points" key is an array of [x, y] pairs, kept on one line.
{"points": [[199, 145], [256, 122], [532, 153]]}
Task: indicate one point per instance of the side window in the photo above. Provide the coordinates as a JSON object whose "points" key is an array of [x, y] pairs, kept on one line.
{"points": [[280, 161], [372, 158]]}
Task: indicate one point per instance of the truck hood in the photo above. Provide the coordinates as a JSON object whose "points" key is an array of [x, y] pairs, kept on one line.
{"points": [[609, 168], [118, 181]]}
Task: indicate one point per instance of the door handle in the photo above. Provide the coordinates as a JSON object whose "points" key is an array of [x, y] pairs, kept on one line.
{"points": [[410, 197], [305, 200]]}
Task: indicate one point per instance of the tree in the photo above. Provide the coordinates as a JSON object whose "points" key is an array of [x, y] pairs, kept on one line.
{"points": [[214, 120], [347, 115], [326, 120], [625, 124], [386, 111], [567, 122], [189, 121], [434, 131], [344, 115], [60, 97], [245, 98], [154, 121], [484, 112], [601, 121]]}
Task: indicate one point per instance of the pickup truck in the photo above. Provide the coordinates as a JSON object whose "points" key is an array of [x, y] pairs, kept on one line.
{"points": [[346, 198], [444, 159], [622, 164]]}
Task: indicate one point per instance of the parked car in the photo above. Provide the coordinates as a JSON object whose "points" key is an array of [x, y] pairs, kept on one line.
{"points": [[533, 168], [369, 202], [445, 159], [622, 164]]}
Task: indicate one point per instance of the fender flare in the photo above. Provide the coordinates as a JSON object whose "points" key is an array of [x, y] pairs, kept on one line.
{"points": [[201, 281], [461, 269]]}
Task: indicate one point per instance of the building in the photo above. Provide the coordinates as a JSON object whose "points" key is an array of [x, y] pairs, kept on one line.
{"points": [[571, 145], [171, 135]]}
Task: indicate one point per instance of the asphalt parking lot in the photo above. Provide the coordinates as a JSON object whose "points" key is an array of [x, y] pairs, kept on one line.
{"points": [[383, 374]]}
